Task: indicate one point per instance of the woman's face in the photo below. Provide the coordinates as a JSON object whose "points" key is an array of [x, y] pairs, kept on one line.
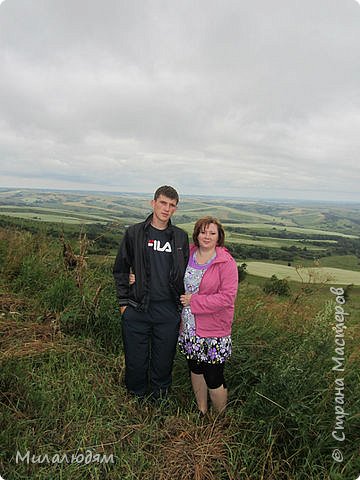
{"points": [[208, 237]]}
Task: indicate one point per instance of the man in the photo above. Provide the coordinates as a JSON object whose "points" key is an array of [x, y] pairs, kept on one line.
{"points": [[157, 253]]}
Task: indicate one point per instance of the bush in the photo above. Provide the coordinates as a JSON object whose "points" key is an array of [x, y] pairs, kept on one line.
{"points": [[277, 286], [242, 271]]}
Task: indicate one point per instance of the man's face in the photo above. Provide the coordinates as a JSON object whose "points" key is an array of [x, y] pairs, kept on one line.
{"points": [[163, 208]]}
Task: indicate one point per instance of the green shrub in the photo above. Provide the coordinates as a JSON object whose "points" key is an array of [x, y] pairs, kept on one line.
{"points": [[277, 286], [242, 271]]}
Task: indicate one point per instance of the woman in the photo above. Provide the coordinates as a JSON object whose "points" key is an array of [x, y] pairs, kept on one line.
{"points": [[211, 282]]}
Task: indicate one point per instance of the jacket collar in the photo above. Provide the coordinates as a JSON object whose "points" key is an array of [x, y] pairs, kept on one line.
{"points": [[221, 253], [147, 222]]}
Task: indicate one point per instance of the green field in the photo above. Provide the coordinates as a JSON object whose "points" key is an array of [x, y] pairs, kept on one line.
{"points": [[306, 274], [309, 231], [270, 241], [53, 217], [226, 212]]}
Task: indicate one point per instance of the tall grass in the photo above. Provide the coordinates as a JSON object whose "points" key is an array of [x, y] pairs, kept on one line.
{"points": [[62, 389]]}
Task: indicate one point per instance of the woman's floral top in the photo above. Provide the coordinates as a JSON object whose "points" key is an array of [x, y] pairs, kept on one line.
{"points": [[208, 349]]}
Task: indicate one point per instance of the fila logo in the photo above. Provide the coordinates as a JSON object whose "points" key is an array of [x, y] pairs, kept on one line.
{"points": [[155, 244]]}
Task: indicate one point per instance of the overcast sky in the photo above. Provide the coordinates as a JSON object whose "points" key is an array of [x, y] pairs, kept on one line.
{"points": [[257, 98]]}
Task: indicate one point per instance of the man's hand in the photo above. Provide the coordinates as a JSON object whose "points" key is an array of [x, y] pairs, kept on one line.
{"points": [[131, 282]]}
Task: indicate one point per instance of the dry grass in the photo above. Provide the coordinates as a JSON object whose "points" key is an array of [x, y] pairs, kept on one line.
{"points": [[11, 304], [191, 451], [22, 339]]}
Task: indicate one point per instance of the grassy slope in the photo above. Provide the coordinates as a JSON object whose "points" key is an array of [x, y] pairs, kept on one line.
{"points": [[62, 368]]}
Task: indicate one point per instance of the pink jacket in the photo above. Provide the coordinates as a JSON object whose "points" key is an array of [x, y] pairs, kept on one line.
{"points": [[213, 305]]}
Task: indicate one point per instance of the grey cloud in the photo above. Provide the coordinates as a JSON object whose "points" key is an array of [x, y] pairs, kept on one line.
{"points": [[250, 97]]}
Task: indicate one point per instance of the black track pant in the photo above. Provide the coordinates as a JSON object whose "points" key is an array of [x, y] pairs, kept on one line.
{"points": [[150, 340]]}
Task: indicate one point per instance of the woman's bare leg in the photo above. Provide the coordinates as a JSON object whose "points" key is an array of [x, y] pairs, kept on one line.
{"points": [[200, 391], [218, 397]]}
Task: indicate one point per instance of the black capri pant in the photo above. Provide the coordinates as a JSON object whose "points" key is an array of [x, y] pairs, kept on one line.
{"points": [[213, 372]]}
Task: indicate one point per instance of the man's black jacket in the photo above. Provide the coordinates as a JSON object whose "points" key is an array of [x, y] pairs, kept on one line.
{"points": [[133, 256]]}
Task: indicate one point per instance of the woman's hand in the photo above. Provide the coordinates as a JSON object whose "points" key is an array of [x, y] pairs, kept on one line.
{"points": [[185, 299]]}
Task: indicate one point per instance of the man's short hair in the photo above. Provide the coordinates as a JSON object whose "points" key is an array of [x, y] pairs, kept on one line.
{"points": [[167, 191], [204, 222]]}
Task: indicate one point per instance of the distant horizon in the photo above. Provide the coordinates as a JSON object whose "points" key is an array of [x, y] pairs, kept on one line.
{"points": [[186, 195]]}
